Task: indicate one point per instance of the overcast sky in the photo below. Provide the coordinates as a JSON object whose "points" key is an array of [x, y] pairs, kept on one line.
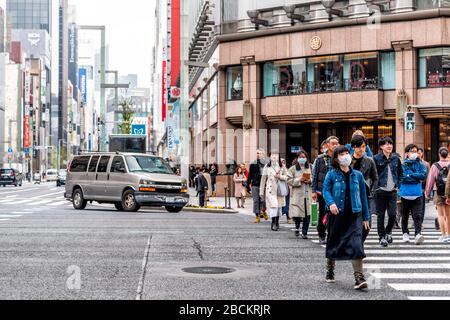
{"points": [[129, 32]]}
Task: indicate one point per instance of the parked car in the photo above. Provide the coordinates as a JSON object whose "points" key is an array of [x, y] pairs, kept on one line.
{"points": [[61, 181], [126, 180], [51, 175], [10, 177]]}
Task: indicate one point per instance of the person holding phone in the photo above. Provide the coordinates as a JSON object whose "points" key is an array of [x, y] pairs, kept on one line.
{"points": [[345, 195], [299, 179]]}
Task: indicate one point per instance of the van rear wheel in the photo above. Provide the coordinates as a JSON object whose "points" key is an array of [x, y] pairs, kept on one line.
{"points": [[129, 202], [78, 200]]}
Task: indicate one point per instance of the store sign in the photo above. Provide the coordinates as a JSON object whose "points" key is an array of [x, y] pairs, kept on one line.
{"points": [[164, 91], [82, 74], [139, 129], [316, 43], [26, 131], [34, 39], [175, 93]]}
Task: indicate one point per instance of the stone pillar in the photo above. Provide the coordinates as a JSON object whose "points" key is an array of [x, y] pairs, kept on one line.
{"points": [[406, 77]]}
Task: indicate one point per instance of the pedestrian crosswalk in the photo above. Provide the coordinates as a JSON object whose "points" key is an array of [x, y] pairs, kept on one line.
{"points": [[421, 272]]}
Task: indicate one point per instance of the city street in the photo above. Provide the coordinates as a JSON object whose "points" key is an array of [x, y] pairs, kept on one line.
{"points": [[44, 244]]}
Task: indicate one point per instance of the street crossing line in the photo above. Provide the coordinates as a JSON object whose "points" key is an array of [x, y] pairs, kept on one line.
{"points": [[22, 201], [420, 286], [408, 266], [400, 258], [58, 203], [5, 219], [387, 252], [420, 276], [429, 298]]}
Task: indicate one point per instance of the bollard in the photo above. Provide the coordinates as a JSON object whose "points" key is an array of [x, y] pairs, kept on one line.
{"points": [[226, 194]]}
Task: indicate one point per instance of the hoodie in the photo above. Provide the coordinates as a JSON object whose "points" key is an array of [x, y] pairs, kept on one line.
{"points": [[414, 173]]}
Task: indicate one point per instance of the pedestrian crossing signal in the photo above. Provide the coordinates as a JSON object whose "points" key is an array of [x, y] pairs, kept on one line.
{"points": [[410, 122]]}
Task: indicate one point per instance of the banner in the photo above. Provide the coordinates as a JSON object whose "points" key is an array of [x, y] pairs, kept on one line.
{"points": [[82, 74], [164, 91]]}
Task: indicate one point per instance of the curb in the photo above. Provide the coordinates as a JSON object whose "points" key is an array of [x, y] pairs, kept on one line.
{"points": [[205, 210]]}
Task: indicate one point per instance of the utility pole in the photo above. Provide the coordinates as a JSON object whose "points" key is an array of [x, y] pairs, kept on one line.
{"points": [[184, 99]]}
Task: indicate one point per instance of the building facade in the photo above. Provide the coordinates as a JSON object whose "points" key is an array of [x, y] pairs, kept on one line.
{"points": [[292, 73]]}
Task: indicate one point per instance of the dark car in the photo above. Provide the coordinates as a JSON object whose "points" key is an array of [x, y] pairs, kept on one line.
{"points": [[61, 180], [10, 177]]}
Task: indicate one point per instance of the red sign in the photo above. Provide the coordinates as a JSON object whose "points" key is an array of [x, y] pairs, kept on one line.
{"points": [[175, 59], [164, 91], [175, 92], [26, 132]]}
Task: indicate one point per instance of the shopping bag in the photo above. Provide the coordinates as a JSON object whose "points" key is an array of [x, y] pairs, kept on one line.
{"points": [[314, 214]]}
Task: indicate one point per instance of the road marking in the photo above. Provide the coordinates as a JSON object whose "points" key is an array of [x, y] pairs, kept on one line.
{"points": [[9, 216], [57, 203], [17, 191], [409, 245], [420, 286], [407, 266], [437, 251], [400, 258], [429, 298], [5, 219], [48, 194], [40, 202], [22, 201], [410, 275]]}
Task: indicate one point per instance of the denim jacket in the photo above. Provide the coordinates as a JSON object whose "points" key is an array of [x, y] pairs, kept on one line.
{"points": [[383, 163], [334, 190]]}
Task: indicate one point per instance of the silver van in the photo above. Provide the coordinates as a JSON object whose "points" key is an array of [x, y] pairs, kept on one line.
{"points": [[126, 180]]}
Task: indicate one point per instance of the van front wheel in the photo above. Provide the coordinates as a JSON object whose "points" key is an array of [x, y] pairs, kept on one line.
{"points": [[78, 200], [129, 202]]}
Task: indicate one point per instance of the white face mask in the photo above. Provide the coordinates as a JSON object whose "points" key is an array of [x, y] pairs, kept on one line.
{"points": [[346, 160], [413, 156]]}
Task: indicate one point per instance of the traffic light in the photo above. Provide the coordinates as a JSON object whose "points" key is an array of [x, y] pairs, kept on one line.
{"points": [[410, 122]]}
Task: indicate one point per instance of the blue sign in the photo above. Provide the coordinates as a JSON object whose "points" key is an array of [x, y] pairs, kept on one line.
{"points": [[82, 74], [10, 150], [139, 129]]}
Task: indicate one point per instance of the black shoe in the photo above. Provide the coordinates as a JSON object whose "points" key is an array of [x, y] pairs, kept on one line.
{"points": [[304, 237], [389, 239], [361, 283], [384, 243], [297, 233], [322, 241], [330, 277]]}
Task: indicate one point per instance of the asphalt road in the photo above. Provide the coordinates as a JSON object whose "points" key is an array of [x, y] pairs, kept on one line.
{"points": [[50, 251]]}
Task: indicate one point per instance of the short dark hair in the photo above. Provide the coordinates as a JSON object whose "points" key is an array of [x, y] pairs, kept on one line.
{"points": [[385, 141], [323, 143], [335, 161], [421, 150], [443, 152], [358, 141], [410, 147]]}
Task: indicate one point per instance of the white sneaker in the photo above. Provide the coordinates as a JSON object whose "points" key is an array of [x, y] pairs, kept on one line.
{"points": [[442, 239], [446, 239], [406, 238], [419, 239]]}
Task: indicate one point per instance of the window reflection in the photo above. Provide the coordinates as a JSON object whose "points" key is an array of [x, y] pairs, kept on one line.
{"points": [[434, 67], [234, 83]]}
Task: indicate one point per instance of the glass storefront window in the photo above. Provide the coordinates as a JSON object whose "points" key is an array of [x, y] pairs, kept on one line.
{"points": [[325, 74], [444, 134], [235, 83], [361, 71], [287, 77], [434, 67], [388, 78], [213, 90]]}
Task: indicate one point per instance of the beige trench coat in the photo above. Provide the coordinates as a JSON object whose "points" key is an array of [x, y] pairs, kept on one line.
{"points": [[299, 192], [269, 187], [239, 189]]}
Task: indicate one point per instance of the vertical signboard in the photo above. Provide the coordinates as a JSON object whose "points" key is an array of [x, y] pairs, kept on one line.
{"points": [[164, 91], [82, 85], [27, 118]]}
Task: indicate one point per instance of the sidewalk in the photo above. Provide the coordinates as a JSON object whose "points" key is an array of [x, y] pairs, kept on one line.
{"points": [[430, 213]]}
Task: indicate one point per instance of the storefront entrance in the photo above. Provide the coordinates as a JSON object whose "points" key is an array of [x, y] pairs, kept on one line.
{"points": [[437, 135], [297, 137], [373, 131]]}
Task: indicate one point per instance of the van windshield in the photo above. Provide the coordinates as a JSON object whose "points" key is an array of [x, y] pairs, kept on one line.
{"points": [[148, 165]]}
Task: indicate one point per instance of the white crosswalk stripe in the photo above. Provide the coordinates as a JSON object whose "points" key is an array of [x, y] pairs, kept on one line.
{"points": [[422, 272]]}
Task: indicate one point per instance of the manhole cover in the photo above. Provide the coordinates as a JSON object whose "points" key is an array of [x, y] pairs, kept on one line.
{"points": [[208, 270]]}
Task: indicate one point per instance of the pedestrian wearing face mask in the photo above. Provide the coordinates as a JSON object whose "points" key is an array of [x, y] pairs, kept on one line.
{"points": [[299, 179], [414, 173], [345, 196], [274, 189]]}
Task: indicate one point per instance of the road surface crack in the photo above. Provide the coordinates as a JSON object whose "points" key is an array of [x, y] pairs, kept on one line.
{"points": [[199, 248], [140, 289]]}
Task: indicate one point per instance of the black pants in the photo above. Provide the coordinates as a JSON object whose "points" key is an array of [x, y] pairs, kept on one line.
{"points": [[306, 222], [202, 197], [321, 228], [386, 201], [413, 207]]}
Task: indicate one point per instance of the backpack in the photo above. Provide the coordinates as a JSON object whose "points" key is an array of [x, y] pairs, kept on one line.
{"points": [[441, 180]]}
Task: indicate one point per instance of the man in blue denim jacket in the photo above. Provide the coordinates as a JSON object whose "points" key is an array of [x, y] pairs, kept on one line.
{"points": [[390, 172], [414, 173]]}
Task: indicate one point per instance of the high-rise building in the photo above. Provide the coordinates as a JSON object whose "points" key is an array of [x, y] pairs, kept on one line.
{"points": [[30, 14], [63, 75]]}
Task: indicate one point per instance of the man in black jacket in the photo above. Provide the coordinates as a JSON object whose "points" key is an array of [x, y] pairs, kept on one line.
{"points": [[202, 187], [368, 168], [254, 181], [321, 167]]}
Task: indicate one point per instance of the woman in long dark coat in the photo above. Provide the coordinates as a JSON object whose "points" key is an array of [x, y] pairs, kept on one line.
{"points": [[345, 196]]}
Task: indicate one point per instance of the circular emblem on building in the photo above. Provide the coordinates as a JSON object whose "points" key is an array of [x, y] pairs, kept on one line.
{"points": [[316, 43]]}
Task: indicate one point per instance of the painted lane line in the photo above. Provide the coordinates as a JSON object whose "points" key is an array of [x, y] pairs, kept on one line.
{"points": [[407, 266], [5, 219], [22, 201], [411, 275], [388, 252], [407, 259], [49, 194], [420, 286], [17, 191], [60, 203], [39, 203], [429, 298], [9, 216], [411, 245]]}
